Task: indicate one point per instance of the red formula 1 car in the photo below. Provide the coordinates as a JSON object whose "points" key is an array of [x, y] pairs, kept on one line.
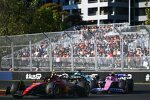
{"points": [[114, 83], [53, 86]]}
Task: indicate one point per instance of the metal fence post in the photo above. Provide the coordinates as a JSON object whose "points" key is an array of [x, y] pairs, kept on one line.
{"points": [[95, 47], [49, 51], [72, 59], [122, 60], [71, 45], [148, 30], [50, 55], [121, 44], [30, 46], [12, 55]]}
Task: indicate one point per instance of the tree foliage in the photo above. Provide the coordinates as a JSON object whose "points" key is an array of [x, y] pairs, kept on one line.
{"points": [[148, 16], [30, 16], [47, 18], [10, 17], [147, 10], [73, 19]]}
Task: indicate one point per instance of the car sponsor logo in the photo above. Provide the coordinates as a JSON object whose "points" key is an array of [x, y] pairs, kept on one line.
{"points": [[125, 76], [76, 77], [147, 78], [34, 76]]}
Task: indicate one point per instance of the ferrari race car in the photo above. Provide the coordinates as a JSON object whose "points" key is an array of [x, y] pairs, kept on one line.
{"points": [[114, 83], [54, 86]]}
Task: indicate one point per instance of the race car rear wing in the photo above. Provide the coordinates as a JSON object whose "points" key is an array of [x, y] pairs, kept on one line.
{"points": [[124, 76]]}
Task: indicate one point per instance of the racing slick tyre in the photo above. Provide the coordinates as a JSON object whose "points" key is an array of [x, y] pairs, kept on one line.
{"points": [[123, 85], [126, 89], [7, 90], [130, 84], [83, 89], [17, 86], [93, 84], [53, 89], [16, 89]]}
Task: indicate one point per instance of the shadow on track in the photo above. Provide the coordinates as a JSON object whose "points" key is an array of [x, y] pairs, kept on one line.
{"points": [[141, 92], [138, 94]]}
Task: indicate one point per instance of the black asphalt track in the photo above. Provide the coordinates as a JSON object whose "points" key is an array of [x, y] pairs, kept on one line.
{"points": [[141, 92]]}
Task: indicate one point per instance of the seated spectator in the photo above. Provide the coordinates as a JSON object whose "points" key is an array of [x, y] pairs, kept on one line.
{"points": [[10, 68], [37, 69]]}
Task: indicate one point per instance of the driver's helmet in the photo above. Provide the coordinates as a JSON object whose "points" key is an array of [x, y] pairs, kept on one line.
{"points": [[53, 74], [111, 74], [78, 73], [65, 75]]}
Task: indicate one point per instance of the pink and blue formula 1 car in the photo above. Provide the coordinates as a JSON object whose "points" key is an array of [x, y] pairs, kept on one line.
{"points": [[114, 83]]}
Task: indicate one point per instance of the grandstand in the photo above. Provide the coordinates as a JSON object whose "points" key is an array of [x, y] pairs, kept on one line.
{"points": [[116, 47]]}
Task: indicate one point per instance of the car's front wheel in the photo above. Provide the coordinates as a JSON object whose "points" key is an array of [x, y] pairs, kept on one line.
{"points": [[83, 88]]}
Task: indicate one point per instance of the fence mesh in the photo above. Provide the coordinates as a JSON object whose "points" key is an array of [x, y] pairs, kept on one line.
{"points": [[89, 48]]}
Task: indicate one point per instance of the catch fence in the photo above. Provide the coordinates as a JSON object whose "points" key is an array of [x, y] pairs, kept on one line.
{"points": [[107, 47]]}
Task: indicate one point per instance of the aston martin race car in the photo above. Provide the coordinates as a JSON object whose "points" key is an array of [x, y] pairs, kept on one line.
{"points": [[114, 83], [91, 79], [53, 86]]}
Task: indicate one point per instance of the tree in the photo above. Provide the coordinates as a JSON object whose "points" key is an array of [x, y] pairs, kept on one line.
{"points": [[148, 16], [14, 17], [74, 19], [29, 16], [48, 18], [147, 10], [33, 16]]}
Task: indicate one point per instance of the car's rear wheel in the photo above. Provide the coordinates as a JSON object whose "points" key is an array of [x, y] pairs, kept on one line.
{"points": [[130, 85], [53, 89], [16, 89], [49, 89], [7, 90], [124, 85], [57, 90]]}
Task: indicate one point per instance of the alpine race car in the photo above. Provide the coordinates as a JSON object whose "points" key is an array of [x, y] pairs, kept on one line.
{"points": [[114, 83], [53, 86]]}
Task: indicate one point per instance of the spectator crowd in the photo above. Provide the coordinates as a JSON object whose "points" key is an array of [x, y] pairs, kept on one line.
{"points": [[89, 41]]}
